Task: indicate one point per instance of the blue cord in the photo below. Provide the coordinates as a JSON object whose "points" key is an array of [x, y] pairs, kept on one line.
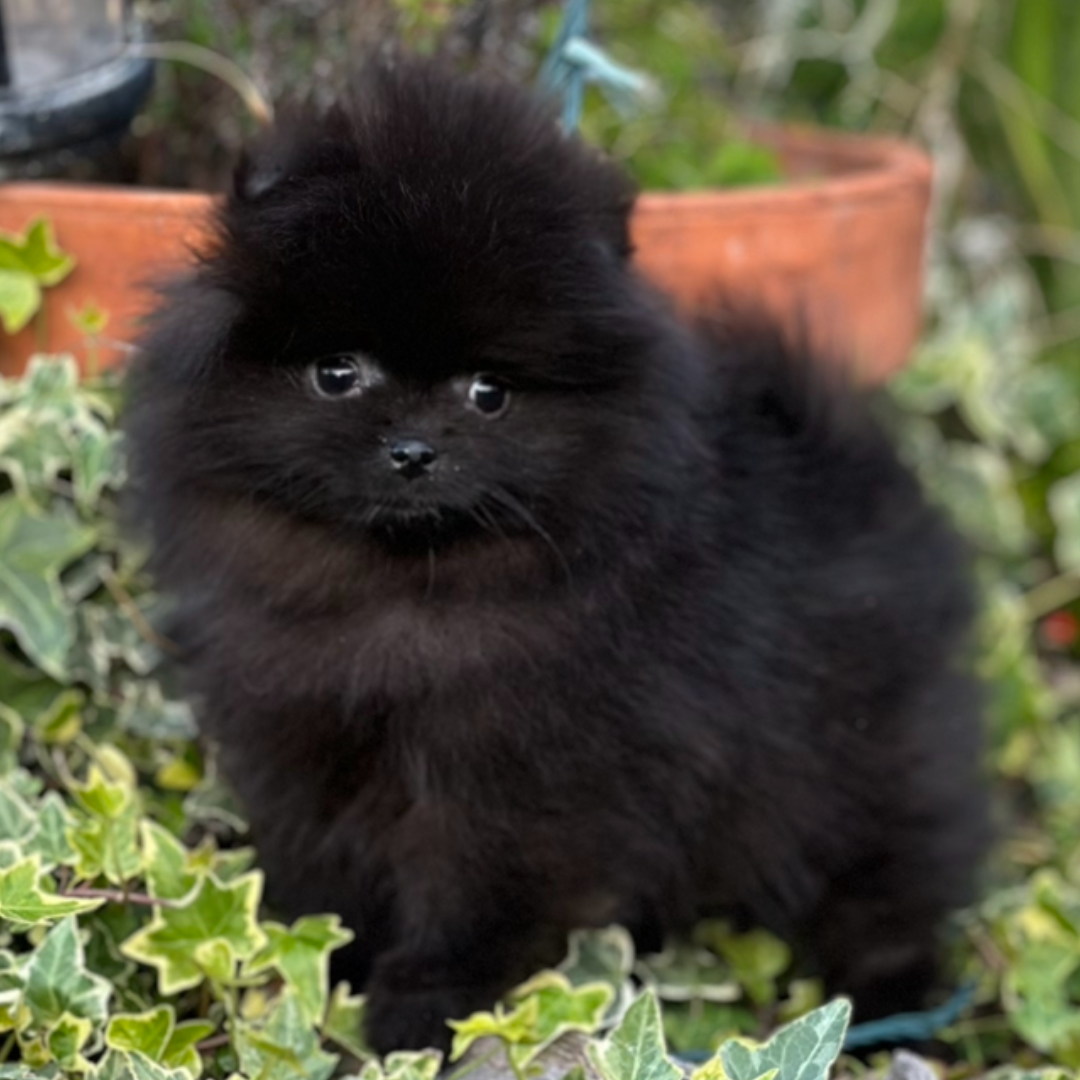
{"points": [[574, 61], [910, 1027]]}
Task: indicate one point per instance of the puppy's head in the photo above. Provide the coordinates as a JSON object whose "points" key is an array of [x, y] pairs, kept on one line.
{"points": [[417, 314]]}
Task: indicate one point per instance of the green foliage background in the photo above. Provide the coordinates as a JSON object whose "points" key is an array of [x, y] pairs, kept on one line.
{"points": [[132, 938]]}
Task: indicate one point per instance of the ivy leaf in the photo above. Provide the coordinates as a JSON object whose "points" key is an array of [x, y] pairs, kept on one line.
{"points": [[168, 874], [90, 319], [284, 1047], [599, 956], [181, 1051], [1063, 500], [12, 732], [514, 1028], [213, 912], [34, 548], [16, 818], [217, 960], [301, 953], [560, 1007], [757, 960], [107, 845], [156, 1035], [102, 796], [404, 1065], [42, 257], [61, 721], [57, 981], [635, 1050], [344, 1022], [20, 298], [24, 904], [65, 1040], [131, 1065], [804, 1049], [147, 1032], [49, 839]]}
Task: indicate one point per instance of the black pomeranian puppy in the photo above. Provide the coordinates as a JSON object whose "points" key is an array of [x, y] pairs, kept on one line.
{"points": [[516, 604]]}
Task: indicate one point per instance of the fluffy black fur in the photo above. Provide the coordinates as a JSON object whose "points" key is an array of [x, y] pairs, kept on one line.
{"points": [[673, 634]]}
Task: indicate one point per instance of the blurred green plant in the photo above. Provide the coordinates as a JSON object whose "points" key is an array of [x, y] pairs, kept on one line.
{"points": [[29, 263], [685, 135]]}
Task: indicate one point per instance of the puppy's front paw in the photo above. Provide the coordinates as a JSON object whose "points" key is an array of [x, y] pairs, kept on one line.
{"points": [[411, 1014]]}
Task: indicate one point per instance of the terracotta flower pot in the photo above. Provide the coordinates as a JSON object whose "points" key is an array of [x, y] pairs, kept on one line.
{"points": [[835, 252]]}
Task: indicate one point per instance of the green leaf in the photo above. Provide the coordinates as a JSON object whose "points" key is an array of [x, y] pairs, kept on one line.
{"points": [[61, 721], [213, 912], [20, 298], [131, 1065], [34, 548], [757, 960], [24, 904], [217, 960], [57, 981], [688, 972], [42, 257], [804, 1049], [148, 1032], [301, 954], [167, 864], [1063, 501], [101, 796], [156, 1035], [107, 845], [514, 1027], [181, 1051], [635, 1050], [65, 1040], [284, 1047], [344, 1023], [16, 818], [599, 956], [404, 1065], [12, 732], [90, 319], [976, 485], [560, 1007], [49, 839], [738, 163]]}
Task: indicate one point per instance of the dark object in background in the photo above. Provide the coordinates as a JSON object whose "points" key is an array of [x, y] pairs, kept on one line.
{"points": [[517, 605], [69, 86]]}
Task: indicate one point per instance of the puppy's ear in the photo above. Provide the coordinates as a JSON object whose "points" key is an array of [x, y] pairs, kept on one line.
{"points": [[614, 195], [279, 154], [614, 224]]}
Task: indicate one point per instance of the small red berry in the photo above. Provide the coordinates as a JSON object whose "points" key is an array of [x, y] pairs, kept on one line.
{"points": [[1060, 629]]}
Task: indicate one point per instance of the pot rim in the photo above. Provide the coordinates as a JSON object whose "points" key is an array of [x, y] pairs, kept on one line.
{"points": [[871, 166]]}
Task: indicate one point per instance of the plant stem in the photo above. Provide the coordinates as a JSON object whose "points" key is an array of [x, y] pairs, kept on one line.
{"points": [[1051, 595], [127, 604], [116, 896], [228, 71], [215, 1042]]}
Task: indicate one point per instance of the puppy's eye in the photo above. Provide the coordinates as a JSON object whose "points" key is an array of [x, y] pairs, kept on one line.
{"points": [[337, 376], [488, 395]]}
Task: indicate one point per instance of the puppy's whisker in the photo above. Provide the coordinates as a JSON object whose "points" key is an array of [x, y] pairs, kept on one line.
{"points": [[525, 516], [431, 570]]}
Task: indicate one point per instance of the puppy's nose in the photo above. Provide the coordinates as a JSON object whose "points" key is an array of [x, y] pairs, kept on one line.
{"points": [[412, 457]]}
